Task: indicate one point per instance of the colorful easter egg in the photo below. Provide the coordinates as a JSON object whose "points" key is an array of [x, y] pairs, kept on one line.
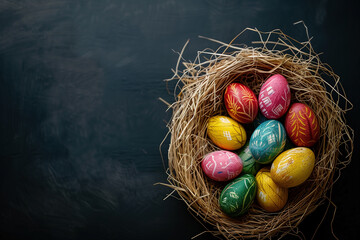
{"points": [[249, 163], [259, 119], [274, 97], [293, 167], [269, 195], [237, 197], [222, 165], [267, 141], [302, 125], [226, 133], [241, 103]]}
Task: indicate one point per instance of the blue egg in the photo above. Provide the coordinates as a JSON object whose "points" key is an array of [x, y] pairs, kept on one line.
{"points": [[267, 141]]}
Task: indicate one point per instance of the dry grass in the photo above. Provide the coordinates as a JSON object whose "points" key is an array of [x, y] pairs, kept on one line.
{"points": [[199, 95]]}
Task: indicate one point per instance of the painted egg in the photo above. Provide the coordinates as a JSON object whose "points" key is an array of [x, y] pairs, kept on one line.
{"points": [[267, 141], [293, 167], [241, 103], [302, 125], [274, 97], [259, 119], [222, 165], [226, 133], [237, 197], [269, 195], [249, 163]]}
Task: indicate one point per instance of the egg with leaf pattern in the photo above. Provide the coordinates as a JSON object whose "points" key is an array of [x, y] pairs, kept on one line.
{"points": [[241, 103], [237, 197]]}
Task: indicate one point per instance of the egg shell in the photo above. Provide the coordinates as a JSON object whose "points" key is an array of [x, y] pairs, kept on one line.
{"points": [[249, 164], [237, 197], [222, 165], [267, 141], [274, 97], [292, 167], [241, 103], [226, 133], [269, 195], [301, 125]]}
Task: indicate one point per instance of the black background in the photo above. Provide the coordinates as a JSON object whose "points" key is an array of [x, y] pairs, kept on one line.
{"points": [[81, 122]]}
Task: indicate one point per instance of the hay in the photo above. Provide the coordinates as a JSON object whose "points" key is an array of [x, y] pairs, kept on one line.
{"points": [[199, 95]]}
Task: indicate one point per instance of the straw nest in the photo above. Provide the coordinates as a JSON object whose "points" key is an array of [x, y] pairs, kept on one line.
{"points": [[199, 96]]}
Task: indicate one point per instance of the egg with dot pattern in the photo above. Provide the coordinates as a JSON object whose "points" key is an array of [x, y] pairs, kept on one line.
{"points": [[267, 141]]}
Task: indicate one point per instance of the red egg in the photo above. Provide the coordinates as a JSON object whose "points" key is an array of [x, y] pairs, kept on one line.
{"points": [[302, 125], [274, 97], [241, 103]]}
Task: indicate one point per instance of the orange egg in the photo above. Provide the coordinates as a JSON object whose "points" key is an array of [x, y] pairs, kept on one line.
{"points": [[270, 195], [292, 167]]}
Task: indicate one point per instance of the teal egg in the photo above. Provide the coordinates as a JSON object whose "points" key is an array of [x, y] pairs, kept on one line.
{"points": [[267, 141], [249, 163], [237, 197]]}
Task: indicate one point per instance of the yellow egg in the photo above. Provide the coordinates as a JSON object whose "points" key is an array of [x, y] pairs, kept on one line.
{"points": [[269, 195], [292, 167], [226, 133]]}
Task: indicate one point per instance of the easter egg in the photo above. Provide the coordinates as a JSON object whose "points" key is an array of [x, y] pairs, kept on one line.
{"points": [[269, 195], [292, 167], [302, 125], [241, 103], [267, 141], [249, 163], [274, 97], [226, 133], [237, 197], [222, 165]]}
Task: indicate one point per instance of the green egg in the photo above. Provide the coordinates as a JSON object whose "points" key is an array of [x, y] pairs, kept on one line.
{"points": [[249, 163], [237, 197]]}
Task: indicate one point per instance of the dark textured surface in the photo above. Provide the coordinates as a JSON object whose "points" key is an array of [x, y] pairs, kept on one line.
{"points": [[80, 120]]}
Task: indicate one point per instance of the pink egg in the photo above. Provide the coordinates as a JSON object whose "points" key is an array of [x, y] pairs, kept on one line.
{"points": [[274, 97], [222, 165]]}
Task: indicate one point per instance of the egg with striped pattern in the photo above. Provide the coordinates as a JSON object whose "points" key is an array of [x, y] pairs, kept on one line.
{"points": [[222, 165], [226, 133], [269, 195], [237, 197], [249, 164], [267, 141], [302, 126], [292, 167], [241, 103]]}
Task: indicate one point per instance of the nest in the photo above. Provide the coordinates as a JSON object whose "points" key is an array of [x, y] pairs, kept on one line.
{"points": [[199, 95]]}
